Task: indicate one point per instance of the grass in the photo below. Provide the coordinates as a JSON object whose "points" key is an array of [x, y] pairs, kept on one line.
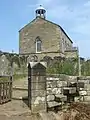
{"points": [[15, 77], [19, 76], [4, 78]]}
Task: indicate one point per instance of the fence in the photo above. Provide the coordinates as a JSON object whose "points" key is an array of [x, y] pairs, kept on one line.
{"points": [[5, 89]]}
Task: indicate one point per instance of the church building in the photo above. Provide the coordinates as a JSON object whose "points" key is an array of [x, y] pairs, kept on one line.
{"points": [[42, 37]]}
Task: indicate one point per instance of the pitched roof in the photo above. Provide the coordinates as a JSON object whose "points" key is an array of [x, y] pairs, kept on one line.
{"points": [[51, 23]]}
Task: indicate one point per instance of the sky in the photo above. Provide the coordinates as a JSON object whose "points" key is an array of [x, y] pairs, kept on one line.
{"points": [[72, 15]]}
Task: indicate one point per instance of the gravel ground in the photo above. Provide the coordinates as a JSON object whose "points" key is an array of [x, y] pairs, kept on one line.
{"points": [[17, 110]]}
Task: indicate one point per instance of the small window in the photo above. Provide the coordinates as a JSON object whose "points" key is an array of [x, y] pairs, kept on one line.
{"points": [[38, 45]]}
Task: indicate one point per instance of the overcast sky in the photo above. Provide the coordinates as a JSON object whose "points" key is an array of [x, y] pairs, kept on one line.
{"points": [[72, 15]]}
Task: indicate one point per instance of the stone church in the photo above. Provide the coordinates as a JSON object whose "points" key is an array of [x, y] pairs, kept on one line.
{"points": [[42, 37]]}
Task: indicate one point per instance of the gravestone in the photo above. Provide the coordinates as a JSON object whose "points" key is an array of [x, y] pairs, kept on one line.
{"points": [[37, 86]]}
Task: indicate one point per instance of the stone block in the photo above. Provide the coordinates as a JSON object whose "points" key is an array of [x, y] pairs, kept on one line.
{"points": [[84, 81], [38, 85], [87, 87], [72, 84], [64, 83], [50, 98], [65, 91], [38, 78], [78, 99], [87, 98], [72, 78], [82, 93], [61, 83], [56, 91], [38, 107], [52, 84], [49, 84], [52, 79], [69, 90], [60, 97], [80, 84], [81, 89], [49, 91], [38, 100], [72, 90], [54, 104], [38, 93], [88, 93]]}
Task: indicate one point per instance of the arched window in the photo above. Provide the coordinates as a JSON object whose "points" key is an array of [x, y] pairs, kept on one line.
{"points": [[38, 45]]}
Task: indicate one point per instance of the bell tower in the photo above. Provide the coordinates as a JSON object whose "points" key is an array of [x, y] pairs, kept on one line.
{"points": [[40, 12]]}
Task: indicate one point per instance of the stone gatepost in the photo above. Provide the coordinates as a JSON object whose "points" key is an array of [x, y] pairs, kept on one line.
{"points": [[37, 86]]}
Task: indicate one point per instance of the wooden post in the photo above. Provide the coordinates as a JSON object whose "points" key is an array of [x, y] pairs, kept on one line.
{"points": [[10, 92], [0, 93]]}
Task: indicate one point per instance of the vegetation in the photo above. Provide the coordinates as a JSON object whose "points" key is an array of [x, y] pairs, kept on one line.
{"points": [[19, 76], [5, 78], [65, 66], [69, 67], [85, 68], [18, 65]]}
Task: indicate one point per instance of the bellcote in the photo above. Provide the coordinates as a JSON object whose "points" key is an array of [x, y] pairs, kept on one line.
{"points": [[40, 12]]}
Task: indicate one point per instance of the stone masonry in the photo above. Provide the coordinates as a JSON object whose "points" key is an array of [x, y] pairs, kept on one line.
{"points": [[50, 34], [65, 89], [37, 86]]}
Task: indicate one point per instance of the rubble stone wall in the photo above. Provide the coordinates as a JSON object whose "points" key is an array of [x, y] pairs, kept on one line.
{"points": [[63, 89], [84, 91]]}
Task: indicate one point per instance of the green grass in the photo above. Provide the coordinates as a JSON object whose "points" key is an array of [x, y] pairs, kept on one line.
{"points": [[15, 77], [4, 78], [19, 76]]}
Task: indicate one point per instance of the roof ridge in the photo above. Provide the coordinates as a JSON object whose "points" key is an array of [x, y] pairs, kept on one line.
{"points": [[49, 22]]}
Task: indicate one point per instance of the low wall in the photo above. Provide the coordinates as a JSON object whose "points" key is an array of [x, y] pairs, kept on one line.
{"points": [[63, 89], [84, 91]]}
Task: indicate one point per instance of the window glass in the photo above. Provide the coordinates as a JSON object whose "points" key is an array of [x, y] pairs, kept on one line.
{"points": [[38, 45]]}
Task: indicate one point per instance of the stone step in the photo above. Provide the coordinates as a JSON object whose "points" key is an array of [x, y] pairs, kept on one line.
{"points": [[53, 104], [61, 98]]}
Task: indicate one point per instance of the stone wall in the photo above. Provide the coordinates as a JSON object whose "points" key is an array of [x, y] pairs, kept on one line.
{"points": [[84, 91], [49, 35], [62, 89], [53, 37], [71, 54]]}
